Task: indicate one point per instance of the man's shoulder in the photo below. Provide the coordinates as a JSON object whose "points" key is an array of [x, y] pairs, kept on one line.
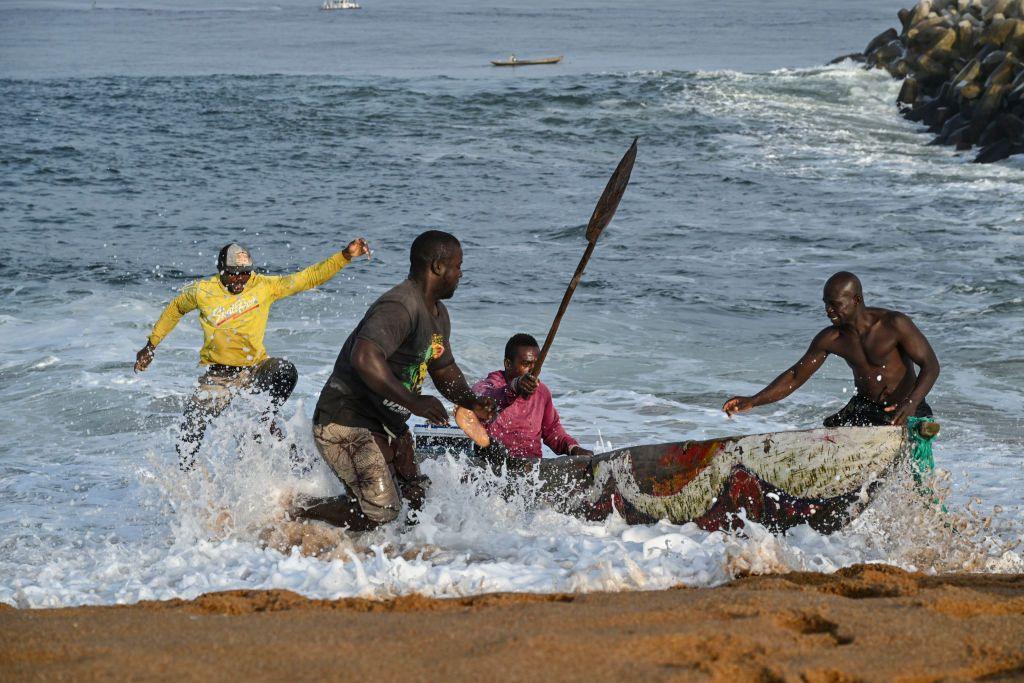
{"points": [[495, 379], [388, 302], [389, 315], [889, 317], [262, 279], [402, 293], [827, 336], [204, 285]]}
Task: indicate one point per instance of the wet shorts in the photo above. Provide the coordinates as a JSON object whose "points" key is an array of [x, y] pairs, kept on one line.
{"points": [[863, 412], [370, 465], [220, 383]]}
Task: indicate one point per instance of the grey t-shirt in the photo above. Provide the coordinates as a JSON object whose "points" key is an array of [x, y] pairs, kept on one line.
{"points": [[414, 341]]}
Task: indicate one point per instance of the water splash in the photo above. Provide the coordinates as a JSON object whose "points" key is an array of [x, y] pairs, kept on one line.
{"points": [[483, 531]]}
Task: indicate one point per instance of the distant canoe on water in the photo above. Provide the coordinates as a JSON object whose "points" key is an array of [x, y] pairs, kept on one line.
{"points": [[340, 4], [512, 61]]}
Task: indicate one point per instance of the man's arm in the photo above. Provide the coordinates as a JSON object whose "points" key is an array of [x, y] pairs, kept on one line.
{"points": [[788, 382], [319, 273], [452, 384], [179, 306], [371, 364], [913, 342]]}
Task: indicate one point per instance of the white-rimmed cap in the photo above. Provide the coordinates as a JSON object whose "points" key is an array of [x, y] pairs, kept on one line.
{"points": [[234, 258]]}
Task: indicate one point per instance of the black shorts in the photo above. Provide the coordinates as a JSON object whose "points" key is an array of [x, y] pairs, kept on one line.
{"points": [[863, 412]]}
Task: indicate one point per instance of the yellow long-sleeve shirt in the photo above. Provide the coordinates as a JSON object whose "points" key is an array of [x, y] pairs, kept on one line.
{"points": [[234, 324]]}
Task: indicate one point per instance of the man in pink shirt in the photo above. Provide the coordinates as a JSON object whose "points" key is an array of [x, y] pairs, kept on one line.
{"points": [[526, 414]]}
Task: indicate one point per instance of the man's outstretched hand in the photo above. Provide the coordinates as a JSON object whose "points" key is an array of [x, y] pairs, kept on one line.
{"points": [[144, 357], [580, 450], [357, 247], [738, 404]]}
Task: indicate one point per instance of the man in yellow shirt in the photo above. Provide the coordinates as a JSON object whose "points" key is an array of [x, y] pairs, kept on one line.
{"points": [[233, 309]]}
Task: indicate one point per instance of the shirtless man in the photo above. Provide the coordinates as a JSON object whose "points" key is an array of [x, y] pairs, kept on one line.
{"points": [[880, 346]]}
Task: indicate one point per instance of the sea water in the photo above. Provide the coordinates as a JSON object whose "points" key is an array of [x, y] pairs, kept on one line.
{"points": [[139, 137]]}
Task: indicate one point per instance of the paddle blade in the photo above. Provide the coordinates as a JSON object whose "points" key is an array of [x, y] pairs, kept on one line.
{"points": [[613, 192]]}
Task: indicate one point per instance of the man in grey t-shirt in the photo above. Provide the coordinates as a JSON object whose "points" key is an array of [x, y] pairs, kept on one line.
{"points": [[359, 424]]}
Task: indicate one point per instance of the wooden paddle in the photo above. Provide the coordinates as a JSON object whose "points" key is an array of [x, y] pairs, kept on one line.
{"points": [[599, 220]]}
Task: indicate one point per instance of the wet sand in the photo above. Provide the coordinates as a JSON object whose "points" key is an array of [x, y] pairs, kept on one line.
{"points": [[874, 623]]}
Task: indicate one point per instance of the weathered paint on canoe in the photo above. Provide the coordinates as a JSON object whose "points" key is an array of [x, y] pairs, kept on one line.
{"points": [[681, 480], [780, 479], [811, 474]]}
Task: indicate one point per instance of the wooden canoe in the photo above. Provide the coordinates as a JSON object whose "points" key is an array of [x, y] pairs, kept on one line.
{"points": [[822, 477], [526, 62]]}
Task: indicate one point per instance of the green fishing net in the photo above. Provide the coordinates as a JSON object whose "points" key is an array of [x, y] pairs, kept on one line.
{"points": [[920, 447]]}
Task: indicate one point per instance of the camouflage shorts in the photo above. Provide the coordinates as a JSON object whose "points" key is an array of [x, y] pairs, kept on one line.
{"points": [[365, 463]]}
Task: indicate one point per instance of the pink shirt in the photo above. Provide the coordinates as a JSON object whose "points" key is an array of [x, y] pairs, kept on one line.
{"points": [[522, 422]]}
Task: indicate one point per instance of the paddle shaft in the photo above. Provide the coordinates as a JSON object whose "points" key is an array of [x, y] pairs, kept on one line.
{"points": [[535, 371]]}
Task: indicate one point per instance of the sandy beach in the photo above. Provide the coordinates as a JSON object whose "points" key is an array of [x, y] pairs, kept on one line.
{"points": [[867, 622]]}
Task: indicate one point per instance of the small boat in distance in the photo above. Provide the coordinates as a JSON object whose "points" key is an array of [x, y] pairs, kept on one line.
{"points": [[340, 4], [512, 61]]}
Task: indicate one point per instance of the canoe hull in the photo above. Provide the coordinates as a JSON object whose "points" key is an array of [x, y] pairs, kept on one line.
{"points": [[822, 477], [525, 62]]}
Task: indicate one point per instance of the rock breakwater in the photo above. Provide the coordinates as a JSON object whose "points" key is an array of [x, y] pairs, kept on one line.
{"points": [[962, 65]]}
